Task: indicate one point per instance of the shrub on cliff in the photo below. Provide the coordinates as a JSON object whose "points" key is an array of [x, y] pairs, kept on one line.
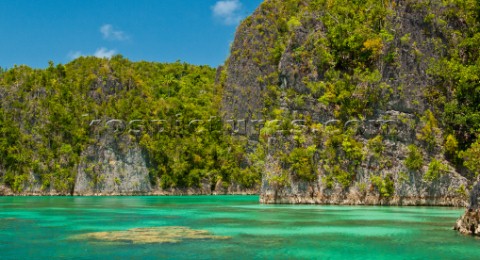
{"points": [[414, 160]]}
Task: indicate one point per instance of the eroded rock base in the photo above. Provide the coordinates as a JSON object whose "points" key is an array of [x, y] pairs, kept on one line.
{"points": [[468, 223]]}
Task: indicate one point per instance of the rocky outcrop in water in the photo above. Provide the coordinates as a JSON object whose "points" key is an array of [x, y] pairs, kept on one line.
{"points": [[469, 223]]}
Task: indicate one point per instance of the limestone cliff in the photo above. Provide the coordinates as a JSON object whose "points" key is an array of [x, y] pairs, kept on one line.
{"points": [[119, 166], [113, 166], [350, 100]]}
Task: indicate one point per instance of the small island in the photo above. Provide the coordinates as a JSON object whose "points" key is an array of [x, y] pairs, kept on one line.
{"points": [[469, 223]]}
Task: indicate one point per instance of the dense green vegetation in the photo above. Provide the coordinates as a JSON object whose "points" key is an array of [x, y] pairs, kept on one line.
{"points": [[348, 61], [354, 60], [47, 119]]}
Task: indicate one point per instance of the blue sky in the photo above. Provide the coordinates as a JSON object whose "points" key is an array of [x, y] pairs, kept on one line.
{"points": [[195, 31]]}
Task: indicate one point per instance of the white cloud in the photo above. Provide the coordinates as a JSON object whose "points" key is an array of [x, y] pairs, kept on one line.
{"points": [[104, 53], [111, 33], [99, 53], [228, 11], [75, 54]]}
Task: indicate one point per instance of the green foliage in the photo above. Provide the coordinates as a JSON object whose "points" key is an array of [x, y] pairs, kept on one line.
{"points": [[405, 39], [462, 191], [435, 170], [375, 46], [385, 186], [376, 145], [340, 155], [301, 163], [19, 182], [414, 160], [328, 181], [269, 129], [457, 73], [471, 158], [293, 23], [451, 146], [343, 177], [430, 131], [353, 150]]}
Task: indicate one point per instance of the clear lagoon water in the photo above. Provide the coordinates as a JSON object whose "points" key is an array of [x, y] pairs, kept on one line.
{"points": [[42, 227]]}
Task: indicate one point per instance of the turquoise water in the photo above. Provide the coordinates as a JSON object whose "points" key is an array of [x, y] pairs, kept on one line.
{"points": [[41, 227]]}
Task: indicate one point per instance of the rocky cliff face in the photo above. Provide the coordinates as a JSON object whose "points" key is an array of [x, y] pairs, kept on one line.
{"points": [[375, 181], [113, 166], [119, 166], [346, 94]]}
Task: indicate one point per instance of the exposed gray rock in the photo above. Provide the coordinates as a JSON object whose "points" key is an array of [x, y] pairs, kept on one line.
{"points": [[475, 197], [468, 224], [5, 191], [113, 167], [410, 187], [118, 166]]}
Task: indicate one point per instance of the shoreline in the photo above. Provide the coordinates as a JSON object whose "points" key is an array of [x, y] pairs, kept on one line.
{"points": [[126, 195], [260, 201], [365, 201], [264, 198]]}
